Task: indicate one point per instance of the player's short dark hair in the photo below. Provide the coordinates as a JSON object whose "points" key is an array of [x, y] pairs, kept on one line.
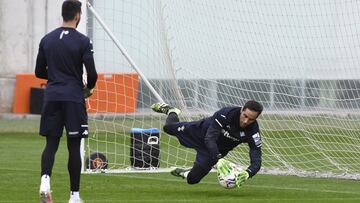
{"points": [[253, 106], [69, 9]]}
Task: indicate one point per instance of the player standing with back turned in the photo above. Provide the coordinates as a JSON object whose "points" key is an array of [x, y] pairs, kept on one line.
{"points": [[61, 56]]}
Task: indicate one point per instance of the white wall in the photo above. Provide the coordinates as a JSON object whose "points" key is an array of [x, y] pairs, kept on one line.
{"points": [[23, 24]]}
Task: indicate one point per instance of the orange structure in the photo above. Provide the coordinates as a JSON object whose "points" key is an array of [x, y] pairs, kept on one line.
{"points": [[113, 93], [22, 91]]}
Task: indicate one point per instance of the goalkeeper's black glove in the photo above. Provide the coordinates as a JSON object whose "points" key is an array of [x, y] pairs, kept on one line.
{"points": [[88, 92]]}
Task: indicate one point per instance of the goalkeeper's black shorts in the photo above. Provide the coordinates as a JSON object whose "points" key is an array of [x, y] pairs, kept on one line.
{"points": [[184, 134], [56, 115]]}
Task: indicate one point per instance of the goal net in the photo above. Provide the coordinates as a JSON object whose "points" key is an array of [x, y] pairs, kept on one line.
{"points": [[300, 59]]}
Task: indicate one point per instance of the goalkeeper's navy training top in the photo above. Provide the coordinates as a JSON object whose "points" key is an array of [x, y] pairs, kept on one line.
{"points": [[60, 59], [221, 133]]}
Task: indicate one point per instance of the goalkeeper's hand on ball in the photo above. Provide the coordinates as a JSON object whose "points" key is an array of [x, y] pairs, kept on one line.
{"points": [[241, 178], [88, 92], [224, 167]]}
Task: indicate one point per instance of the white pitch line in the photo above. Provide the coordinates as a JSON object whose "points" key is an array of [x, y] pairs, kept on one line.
{"points": [[255, 186]]}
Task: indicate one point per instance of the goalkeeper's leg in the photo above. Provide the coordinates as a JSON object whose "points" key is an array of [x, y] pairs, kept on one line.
{"points": [[202, 166], [193, 175], [196, 174], [74, 163], [172, 118], [75, 121], [48, 155], [171, 123], [47, 162]]}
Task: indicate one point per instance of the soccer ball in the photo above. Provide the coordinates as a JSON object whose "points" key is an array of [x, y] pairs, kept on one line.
{"points": [[229, 181], [97, 161]]}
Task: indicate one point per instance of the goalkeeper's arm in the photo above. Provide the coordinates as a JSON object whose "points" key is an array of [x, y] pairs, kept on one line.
{"points": [[89, 63], [91, 72], [255, 165], [41, 64], [91, 77], [210, 139], [255, 161], [212, 134]]}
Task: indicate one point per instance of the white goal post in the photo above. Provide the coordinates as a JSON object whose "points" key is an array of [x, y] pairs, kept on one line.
{"points": [[300, 59]]}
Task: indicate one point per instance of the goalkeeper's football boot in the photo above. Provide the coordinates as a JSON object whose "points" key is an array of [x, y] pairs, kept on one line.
{"points": [[45, 197], [165, 108], [76, 201], [179, 172], [45, 192]]}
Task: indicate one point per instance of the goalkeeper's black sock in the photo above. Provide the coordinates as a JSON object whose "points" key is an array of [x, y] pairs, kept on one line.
{"points": [[74, 163], [172, 118], [170, 123], [48, 155]]}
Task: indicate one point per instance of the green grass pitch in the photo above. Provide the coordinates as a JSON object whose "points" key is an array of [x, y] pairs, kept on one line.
{"points": [[20, 175]]}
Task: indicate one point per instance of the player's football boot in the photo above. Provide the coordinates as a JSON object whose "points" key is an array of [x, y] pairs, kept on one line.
{"points": [[45, 192], [164, 108], [45, 197], [76, 201], [179, 172]]}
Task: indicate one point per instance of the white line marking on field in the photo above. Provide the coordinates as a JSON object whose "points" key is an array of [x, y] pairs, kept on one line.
{"points": [[255, 186]]}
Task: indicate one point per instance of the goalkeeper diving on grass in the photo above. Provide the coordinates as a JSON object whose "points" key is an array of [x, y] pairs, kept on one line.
{"points": [[213, 137]]}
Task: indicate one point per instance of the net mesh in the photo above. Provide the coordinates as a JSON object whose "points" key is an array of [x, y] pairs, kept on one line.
{"points": [[300, 59]]}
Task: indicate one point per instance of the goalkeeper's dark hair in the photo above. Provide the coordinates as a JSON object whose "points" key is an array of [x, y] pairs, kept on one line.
{"points": [[253, 106], [69, 9]]}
